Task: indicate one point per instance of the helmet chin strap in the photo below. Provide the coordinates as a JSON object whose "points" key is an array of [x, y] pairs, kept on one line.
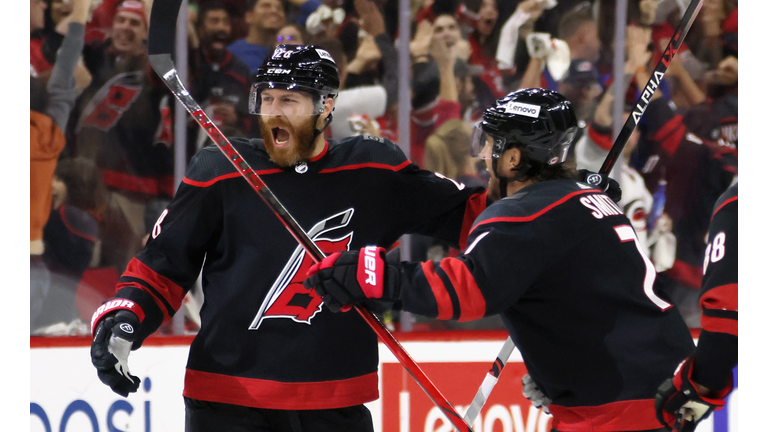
{"points": [[327, 122], [319, 131]]}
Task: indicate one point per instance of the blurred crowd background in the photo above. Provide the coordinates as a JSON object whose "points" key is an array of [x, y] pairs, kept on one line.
{"points": [[104, 145]]}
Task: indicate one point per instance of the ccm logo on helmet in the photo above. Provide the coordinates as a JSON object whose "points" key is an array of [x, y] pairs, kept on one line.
{"points": [[370, 264], [278, 71], [527, 110]]}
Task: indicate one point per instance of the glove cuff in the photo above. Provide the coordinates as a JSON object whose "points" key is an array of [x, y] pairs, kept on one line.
{"points": [[113, 305]]}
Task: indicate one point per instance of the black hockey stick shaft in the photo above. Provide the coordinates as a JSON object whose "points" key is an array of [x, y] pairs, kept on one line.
{"points": [[653, 83], [162, 30]]}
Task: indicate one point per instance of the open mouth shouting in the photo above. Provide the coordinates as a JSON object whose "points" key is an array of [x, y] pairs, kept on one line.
{"points": [[280, 136]]}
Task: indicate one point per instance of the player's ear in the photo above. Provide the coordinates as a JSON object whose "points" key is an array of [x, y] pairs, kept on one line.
{"points": [[511, 159], [329, 104]]}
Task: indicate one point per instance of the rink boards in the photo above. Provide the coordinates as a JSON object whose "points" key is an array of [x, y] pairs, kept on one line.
{"points": [[66, 395]]}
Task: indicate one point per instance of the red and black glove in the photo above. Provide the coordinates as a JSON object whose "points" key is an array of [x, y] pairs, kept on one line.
{"points": [[680, 406], [346, 278]]}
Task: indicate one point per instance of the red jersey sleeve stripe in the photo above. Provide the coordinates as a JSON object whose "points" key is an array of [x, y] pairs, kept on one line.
{"points": [[537, 214], [368, 165], [471, 300], [475, 205], [725, 297], [720, 325], [442, 298], [729, 200], [172, 293], [224, 177]]}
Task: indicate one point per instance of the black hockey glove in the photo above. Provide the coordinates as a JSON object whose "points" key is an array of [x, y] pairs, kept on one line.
{"points": [[601, 181], [346, 278], [679, 406], [532, 393], [114, 333]]}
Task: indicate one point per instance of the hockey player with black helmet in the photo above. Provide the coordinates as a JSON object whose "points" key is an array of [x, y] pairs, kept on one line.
{"points": [[557, 260], [269, 356]]}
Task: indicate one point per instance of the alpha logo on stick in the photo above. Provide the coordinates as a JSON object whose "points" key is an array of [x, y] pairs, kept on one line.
{"points": [[527, 110]]}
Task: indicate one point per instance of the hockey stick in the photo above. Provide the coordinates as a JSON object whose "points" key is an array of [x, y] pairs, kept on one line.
{"points": [[490, 381], [653, 83], [162, 28]]}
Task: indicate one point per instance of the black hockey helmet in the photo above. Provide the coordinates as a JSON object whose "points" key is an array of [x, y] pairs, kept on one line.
{"points": [[540, 122], [301, 68]]}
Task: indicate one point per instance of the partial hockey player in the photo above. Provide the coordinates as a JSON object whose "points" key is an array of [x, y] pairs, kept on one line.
{"points": [[558, 260], [268, 355], [704, 379]]}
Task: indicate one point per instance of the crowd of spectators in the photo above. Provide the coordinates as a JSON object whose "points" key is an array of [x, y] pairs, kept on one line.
{"points": [[102, 130]]}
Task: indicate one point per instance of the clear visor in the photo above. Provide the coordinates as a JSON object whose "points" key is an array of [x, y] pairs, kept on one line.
{"points": [[481, 143], [268, 100]]}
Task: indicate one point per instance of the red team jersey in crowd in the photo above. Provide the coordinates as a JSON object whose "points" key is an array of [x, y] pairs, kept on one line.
{"points": [[266, 341], [561, 264]]}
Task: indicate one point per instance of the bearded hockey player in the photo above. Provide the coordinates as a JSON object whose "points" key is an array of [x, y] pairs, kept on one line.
{"points": [[561, 264], [269, 356]]}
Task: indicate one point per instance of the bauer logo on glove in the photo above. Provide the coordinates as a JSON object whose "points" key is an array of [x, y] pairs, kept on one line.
{"points": [[347, 278]]}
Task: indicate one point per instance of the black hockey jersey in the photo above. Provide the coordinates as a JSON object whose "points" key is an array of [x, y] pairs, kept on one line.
{"points": [[562, 265], [717, 351], [265, 341]]}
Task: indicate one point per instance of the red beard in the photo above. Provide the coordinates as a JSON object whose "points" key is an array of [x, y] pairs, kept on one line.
{"points": [[302, 135]]}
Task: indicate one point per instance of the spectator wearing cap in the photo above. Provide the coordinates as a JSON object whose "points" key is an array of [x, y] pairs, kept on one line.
{"points": [[264, 19], [129, 29], [116, 124], [581, 86]]}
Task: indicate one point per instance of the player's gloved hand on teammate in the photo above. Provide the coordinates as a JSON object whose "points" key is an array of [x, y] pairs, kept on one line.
{"points": [[346, 278], [680, 406], [114, 334], [601, 181], [532, 393]]}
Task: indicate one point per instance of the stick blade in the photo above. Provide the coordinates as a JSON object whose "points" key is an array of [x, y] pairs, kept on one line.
{"points": [[162, 26]]}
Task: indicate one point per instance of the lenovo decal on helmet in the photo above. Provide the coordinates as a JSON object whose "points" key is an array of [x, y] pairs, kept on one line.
{"points": [[522, 109]]}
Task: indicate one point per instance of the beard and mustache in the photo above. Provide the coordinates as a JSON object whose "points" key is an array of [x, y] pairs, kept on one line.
{"points": [[302, 134]]}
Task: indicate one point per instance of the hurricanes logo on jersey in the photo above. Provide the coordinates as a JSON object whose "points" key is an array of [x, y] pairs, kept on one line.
{"points": [[287, 298]]}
